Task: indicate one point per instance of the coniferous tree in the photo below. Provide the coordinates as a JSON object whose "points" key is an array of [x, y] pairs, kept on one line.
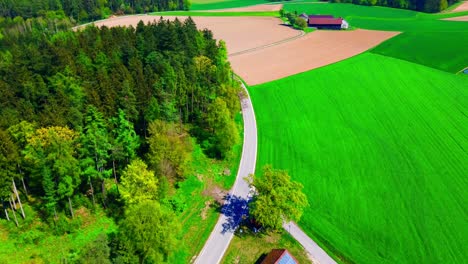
{"points": [[95, 149]]}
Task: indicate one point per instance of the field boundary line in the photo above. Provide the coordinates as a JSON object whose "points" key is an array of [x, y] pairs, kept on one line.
{"points": [[300, 35]]}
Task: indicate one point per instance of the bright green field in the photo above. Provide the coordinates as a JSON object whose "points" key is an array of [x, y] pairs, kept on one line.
{"points": [[208, 13], [220, 4], [427, 39], [380, 145], [425, 48]]}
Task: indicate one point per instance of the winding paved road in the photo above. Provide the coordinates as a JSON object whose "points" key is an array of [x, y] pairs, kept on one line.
{"points": [[218, 242], [315, 253]]}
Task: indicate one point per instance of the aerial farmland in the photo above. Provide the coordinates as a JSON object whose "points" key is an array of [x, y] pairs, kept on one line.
{"points": [[167, 116]]}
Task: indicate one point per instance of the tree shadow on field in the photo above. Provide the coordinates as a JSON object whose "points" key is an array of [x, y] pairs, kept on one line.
{"points": [[236, 209]]}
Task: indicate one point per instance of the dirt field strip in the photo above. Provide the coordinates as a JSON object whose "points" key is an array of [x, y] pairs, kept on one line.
{"points": [[254, 8], [462, 7], [460, 18], [302, 33], [239, 33], [314, 50]]}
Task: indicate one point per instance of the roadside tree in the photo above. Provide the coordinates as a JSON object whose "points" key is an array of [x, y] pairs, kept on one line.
{"points": [[278, 199]]}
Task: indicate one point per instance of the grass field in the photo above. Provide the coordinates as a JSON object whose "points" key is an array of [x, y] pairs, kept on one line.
{"points": [[427, 39], [220, 4], [380, 146], [425, 48], [222, 14]]}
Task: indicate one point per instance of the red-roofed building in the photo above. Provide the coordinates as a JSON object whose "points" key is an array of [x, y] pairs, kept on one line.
{"points": [[279, 256], [326, 22]]}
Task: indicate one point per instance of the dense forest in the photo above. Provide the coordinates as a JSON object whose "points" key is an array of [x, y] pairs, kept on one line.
{"points": [[108, 117], [86, 10], [430, 6]]}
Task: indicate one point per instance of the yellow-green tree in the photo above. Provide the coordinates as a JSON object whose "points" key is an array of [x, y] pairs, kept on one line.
{"points": [[52, 153], [138, 184], [277, 198], [149, 231], [223, 128], [170, 149]]}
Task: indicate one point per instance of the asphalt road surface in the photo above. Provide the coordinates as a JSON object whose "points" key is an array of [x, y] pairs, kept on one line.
{"points": [[218, 242], [221, 236]]}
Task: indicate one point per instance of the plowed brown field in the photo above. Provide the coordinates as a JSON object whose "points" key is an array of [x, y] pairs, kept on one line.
{"points": [[462, 7], [460, 18], [314, 50], [274, 51], [239, 33]]}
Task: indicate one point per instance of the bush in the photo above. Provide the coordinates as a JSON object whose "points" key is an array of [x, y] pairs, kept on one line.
{"points": [[301, 23]]}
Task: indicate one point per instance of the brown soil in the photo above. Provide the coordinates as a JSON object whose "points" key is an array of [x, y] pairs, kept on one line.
{"points": [[462, 7], [314, 50], [254, 8], [239, 33], [217, 193], [460, 18]]}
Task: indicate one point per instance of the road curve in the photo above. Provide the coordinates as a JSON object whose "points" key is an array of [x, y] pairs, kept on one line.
{"points": [[218, 242], [315, 253]]}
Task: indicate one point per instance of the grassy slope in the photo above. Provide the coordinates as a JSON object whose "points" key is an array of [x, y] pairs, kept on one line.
{"points": [[427, 39], [381, 153]]}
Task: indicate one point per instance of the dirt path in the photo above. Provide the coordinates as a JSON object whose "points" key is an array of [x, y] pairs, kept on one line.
{"points": [[460, 18], [461, 8]]}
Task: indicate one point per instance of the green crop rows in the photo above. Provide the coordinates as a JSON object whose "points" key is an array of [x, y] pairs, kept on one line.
{"points": [[380, 146]]}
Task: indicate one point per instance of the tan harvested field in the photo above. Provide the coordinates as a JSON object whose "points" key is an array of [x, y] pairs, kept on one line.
{"points": [[460, 18], [462, 7], [287, 56], [239, 33], [314, 50], [254, 8]]}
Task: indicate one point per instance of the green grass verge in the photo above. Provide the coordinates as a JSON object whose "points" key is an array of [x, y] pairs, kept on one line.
{"points": [[249, 248], [200, 211], [427, 39], [380, 146], [33, 242], [202, 13]]}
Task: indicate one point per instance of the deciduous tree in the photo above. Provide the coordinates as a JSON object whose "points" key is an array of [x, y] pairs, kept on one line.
{"points": [[170, 149], [52, 153], [138, 184], [277, 199], [149, 231]]}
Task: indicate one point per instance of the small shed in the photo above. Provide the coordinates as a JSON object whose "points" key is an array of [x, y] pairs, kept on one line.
{"points": [[304, 16], [279, 256]]}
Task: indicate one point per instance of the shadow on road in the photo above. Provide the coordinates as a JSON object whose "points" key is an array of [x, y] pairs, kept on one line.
{"points": [[236, 209]]}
